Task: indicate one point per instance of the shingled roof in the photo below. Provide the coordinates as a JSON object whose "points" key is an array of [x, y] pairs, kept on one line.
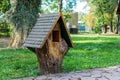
{"points": [[43, 27]]}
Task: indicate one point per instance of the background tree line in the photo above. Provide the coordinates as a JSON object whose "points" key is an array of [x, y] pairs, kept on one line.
{"points": [[102, 14]]}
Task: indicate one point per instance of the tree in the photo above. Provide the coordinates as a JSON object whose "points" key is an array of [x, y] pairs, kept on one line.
{"points": [[60, 5], [111, 7], [118, 20], [52, 6], [90, 20], [104, 11], [22, 16], [70, 4], [4, 6], [99, 12], [49, 6]]}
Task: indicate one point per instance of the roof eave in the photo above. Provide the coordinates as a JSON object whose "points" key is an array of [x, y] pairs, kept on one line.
{"points": [[67, 31]]}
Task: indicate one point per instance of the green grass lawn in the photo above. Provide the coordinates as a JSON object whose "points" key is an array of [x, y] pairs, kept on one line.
{"points": [[90, 51]]}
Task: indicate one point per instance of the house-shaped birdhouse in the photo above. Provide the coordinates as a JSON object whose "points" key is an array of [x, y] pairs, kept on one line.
{"points": [[49, 28], [50, 40]]}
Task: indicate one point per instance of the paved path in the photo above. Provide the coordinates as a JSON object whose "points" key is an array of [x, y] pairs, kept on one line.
{"points": [[110, 73]]}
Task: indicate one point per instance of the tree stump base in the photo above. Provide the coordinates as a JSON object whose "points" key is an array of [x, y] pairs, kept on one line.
{"points": [[50, 56]]}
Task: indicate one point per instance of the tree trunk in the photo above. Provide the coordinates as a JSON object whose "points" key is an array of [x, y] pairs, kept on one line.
{"points": [[111, 26], [60, 5], [116, 29], [22, 16], [50, 57], [18, 36], [15, 40], [117, 25], [104, 28]]}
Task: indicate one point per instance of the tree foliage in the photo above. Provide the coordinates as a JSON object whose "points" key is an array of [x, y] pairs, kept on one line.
{"points": [[23, 12], [50, 6], [22, 16], [4, 27], [104, 12], [70, 4], [4, 5]]}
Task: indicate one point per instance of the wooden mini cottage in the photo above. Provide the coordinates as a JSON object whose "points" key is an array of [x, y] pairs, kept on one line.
{"points": [[50, 40]]}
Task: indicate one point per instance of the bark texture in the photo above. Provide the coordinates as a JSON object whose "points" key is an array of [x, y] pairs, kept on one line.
{"points": [[111, 26], [50, 57], [118, 25]]}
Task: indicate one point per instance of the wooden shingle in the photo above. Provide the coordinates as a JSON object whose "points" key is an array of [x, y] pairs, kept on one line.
{"points": [[40, 30]]}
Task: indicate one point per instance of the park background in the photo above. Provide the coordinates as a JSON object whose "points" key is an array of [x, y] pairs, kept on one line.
{"points": [[94, 30]]}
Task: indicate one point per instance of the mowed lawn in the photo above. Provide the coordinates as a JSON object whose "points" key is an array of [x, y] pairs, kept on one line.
{"points": [[90, 51]]}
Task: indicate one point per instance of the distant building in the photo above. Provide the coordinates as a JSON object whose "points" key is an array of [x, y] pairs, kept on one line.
{"points": [[74, 19], [73, 23]]}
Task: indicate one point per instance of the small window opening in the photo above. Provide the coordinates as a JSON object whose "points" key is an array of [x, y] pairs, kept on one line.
{"points": [[55, 36]]}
